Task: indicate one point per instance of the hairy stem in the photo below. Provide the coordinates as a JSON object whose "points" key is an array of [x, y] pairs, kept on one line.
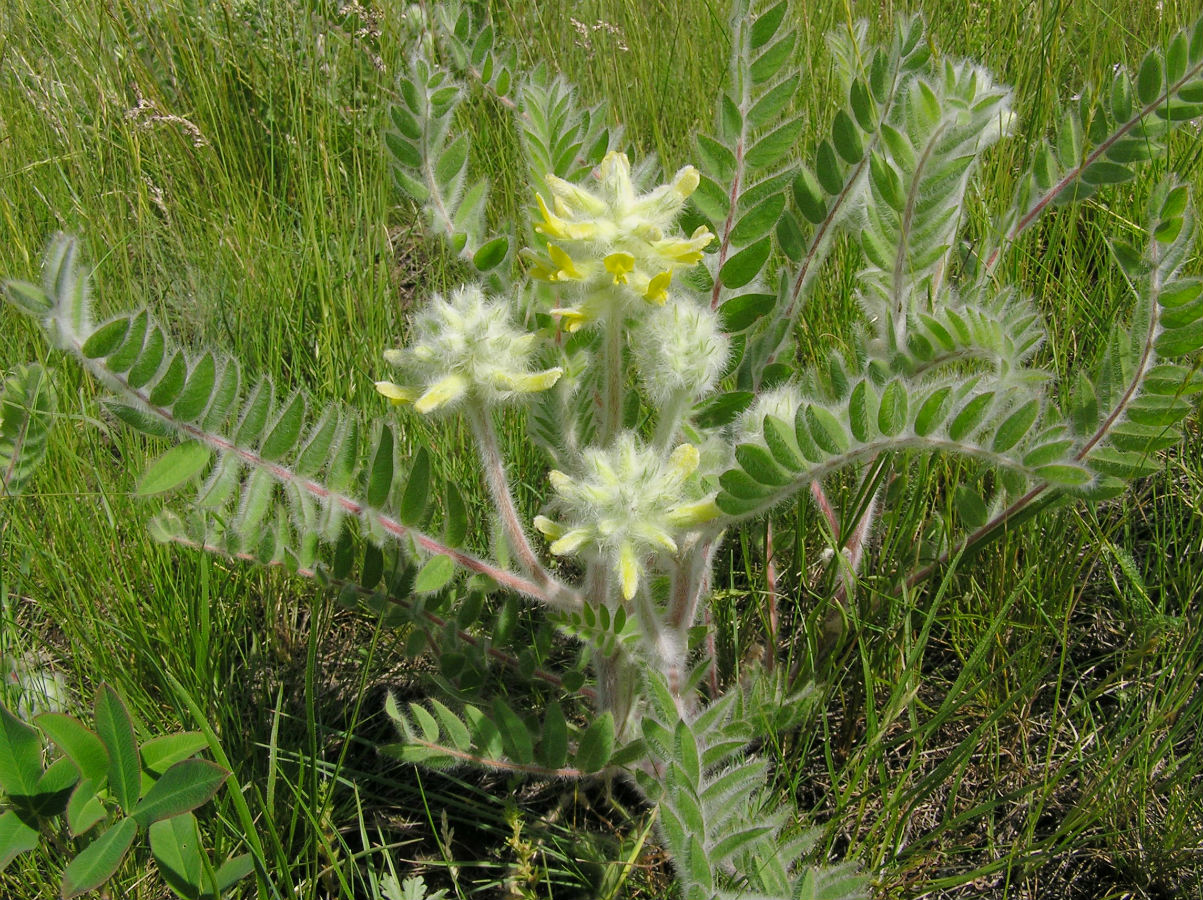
{"points": [[770, 584], [669, 419], [613, 396], [491, 460]]}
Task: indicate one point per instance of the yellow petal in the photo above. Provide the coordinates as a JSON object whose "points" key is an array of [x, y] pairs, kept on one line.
{"points": [[571, 541], [573, 317], [549, 529], [540, 268], [620, 264], [530, 382], [560, 482], [689, 515], [443, 391], [615, 172], [686, 250], [564, 264], [552, 225], [560, 228], [628, 570], [686, 181], [396, 394], [659, 537], [575, 199], [683, 461], [657, 287]]}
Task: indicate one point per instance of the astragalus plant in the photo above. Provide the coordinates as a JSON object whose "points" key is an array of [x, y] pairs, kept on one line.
{"points": [[643, 334]]}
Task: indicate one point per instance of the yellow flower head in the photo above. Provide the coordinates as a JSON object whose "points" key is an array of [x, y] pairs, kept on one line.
{"points": [[613, 243], [628, 504], [464, 347]]}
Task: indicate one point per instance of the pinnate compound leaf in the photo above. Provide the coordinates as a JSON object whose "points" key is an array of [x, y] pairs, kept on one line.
{"points": [[770, 105], [741, 311], [892, 413], [434, 575], [847, 138], [730, 120], [809, 196], [758, 221], [116, 730], [769, 63], [790, 238], [970, 507], [743, 492], [452, 161], [766, 24], [99, 860], [933, 411], [171, 382], [107, 338], [773, 147], [597, 744], [965, 422], [183, 787], [746, 264], [139, 419], [553, 747], [178, 465], [417, 489], [1148, 80], [1064, 474], [730, 845], [124, 356], [722, 409], [491, 254], [839, 882], [29, 297], [759, 464], [283, 435], [455, 529], [1015, 426], [452, 724], [199, 387], [711, 200], [1180, 341], [15, 838], [826, 429], [716, 160], [780, 439], [380, 475], [515, 736], [149, 360]]}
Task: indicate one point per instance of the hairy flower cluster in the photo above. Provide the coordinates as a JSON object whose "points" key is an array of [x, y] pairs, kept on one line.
{"points": [[464, 347], [627, 504], [613, 244], [680, 350]]}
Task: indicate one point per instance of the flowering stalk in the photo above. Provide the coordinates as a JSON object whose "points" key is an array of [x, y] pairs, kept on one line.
{"points": [[493, 464]]}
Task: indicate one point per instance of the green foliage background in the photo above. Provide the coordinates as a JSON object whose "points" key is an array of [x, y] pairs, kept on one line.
{"points": [[1025, 727]]}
